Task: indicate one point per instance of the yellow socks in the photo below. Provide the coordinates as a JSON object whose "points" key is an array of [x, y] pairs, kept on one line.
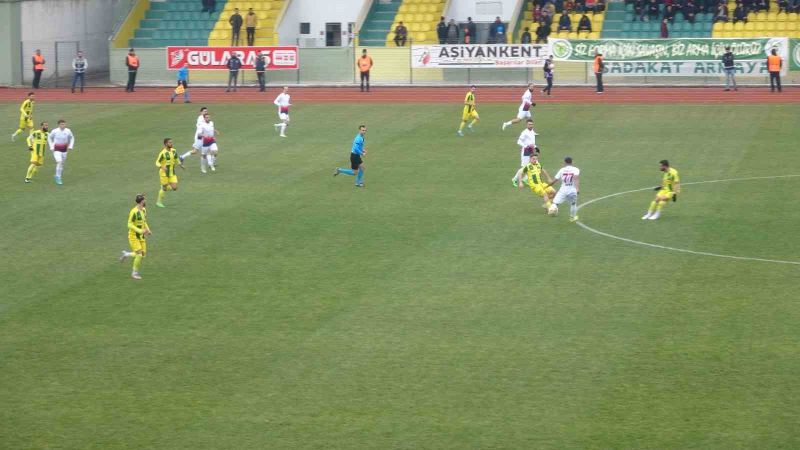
{"points": [[161, 194], [548, 204], [653, 206], [461, 127], [18, 132], [660, 205], [473, 122], [137, 262], [31, 171]]}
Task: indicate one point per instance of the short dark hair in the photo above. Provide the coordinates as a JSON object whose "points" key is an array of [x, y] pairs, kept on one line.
{"points": [[568, 160], [363, 51], [130, 50], [202, 108], [774, 51], [469, 18], [139, 198], [30, 93], [362, 126], [664, 162], [529, 121], [42, 123], [167, 139], [62, 121]]}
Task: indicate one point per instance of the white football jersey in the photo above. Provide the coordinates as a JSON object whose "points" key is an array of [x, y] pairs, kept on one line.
{"points": [[61, 137], [282, 100], [527, 99], [567, 175], [527, 138], [206, 129]]}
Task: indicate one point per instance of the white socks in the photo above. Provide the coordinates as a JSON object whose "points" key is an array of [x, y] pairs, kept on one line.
{"points": [[186, 155], [211, 159], [518, 174], [203, 163], [59, 169], [283, 128], [573, 210], [127, 254]]}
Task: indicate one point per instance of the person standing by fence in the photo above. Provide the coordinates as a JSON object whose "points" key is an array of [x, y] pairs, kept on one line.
{"points": [[132, 61], [598, 67], [234, 64], [548, 74], [79, 66], [236, 26], [728, 66], [38, 67], [183, 82], [774, 64], [364, 65], [261, 67], [250, 23]]}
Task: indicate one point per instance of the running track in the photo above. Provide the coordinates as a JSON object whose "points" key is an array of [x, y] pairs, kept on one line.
{"points": [[415, 95]]}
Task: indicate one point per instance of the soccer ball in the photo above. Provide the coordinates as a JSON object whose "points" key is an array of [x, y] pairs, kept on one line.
{"points": [[553, 210]]}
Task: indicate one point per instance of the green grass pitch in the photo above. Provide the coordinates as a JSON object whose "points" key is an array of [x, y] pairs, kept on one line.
{"points": [[438, 308]]}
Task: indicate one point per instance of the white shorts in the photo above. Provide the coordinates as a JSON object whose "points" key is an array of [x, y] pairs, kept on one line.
{"points": [[524, 160], [283, 116], [59, 156], [206, 149], [522, 115], [198, 143], [566, 195]]}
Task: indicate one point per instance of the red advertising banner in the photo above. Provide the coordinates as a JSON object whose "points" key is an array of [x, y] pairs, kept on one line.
{"points": [[216, 58]]}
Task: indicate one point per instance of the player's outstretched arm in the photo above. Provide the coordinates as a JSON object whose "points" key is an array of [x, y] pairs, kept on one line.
{"points": [[549, 178], [578, 183]]}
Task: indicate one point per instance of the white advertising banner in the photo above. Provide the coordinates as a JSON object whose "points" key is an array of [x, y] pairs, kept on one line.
{"points": [[462, 56]]}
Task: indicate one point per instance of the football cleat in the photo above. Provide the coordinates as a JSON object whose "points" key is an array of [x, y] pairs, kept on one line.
{"points": [[460, 133], [646, 216], [136, 276]]}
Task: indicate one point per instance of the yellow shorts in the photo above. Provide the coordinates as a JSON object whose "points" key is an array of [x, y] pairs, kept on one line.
{"points": [[168, 180], [37, 158], [466, 115], [25, 123], [539, 190], [665, 193], [137, 245]]}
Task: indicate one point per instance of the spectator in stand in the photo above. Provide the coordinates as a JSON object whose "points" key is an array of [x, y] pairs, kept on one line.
{"points": [[546, 17], [569, 5], [38, 67], [564, 22], [261, 67], [762, 5], [452, 32], [590, 4], [250, 23], [210, 6], [600, 6], [400, 35], [722, 13], [526, 36], [132, 61], [669, 14], [584, 25], [537, 14], [500, 31], [542, 32], [664, 29], [234, 64], [783, 6], [638, 10], [739, 14], [441, 30], [689, 10], [729, 67], [551, 11], [79, 66], [652, 10], [470, 32], [236, 26]]}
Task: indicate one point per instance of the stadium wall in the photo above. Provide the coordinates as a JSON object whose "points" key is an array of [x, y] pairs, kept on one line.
{"points": [[63, 26], [336, 66], [317, 14], [481, 10], [10, 37]]}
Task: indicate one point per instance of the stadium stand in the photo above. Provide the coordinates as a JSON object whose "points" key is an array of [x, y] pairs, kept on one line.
{"points": [[267, 11], [175, 22], [622, 23], [419, 16], [760, 24], [527, 20]]}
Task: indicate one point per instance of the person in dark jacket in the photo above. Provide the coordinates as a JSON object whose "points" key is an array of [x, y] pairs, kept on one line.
{"points": [[236, 26], [664, 29], [261, 67], [585, 25], [728, 66], [542, 32], [234, 64], [526, 36], [441, 30], [740, 13], [548, 74], [452, 32], [470, 32], [564, 22]]}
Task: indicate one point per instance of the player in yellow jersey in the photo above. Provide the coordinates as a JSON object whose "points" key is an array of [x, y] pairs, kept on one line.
{"points": [[25, 116], [37, 142], [166, 161], [533, 171], [137, 231], [470, 112], [669, 189]]}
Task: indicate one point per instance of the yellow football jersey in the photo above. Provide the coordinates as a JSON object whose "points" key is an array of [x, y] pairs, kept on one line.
{"points": [[469, 101], [669, 179], [534, 172], [37, 141], [167, 159], [137, 223], [26, 109]]}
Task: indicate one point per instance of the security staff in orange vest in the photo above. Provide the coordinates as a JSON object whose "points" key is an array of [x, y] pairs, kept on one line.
{"points": [[38, 67], [132, 61], [774, 64], [598, 67], [364, 64]]}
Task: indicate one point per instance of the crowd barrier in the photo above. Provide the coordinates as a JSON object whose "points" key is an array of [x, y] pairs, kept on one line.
{"points": [[396, 66]]}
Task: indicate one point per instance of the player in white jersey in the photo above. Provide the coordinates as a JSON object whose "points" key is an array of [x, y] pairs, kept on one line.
{"points": [[524, 108], [198, 141], [283, 103], [527, 147], [569, 176], [61, 140], [208, 134]]}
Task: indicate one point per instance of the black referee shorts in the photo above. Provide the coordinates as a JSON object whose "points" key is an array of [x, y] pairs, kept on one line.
{"points": [[355, 161]]}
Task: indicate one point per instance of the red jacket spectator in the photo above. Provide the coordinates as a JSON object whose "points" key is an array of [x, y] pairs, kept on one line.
{"points": [[664, 29]]}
